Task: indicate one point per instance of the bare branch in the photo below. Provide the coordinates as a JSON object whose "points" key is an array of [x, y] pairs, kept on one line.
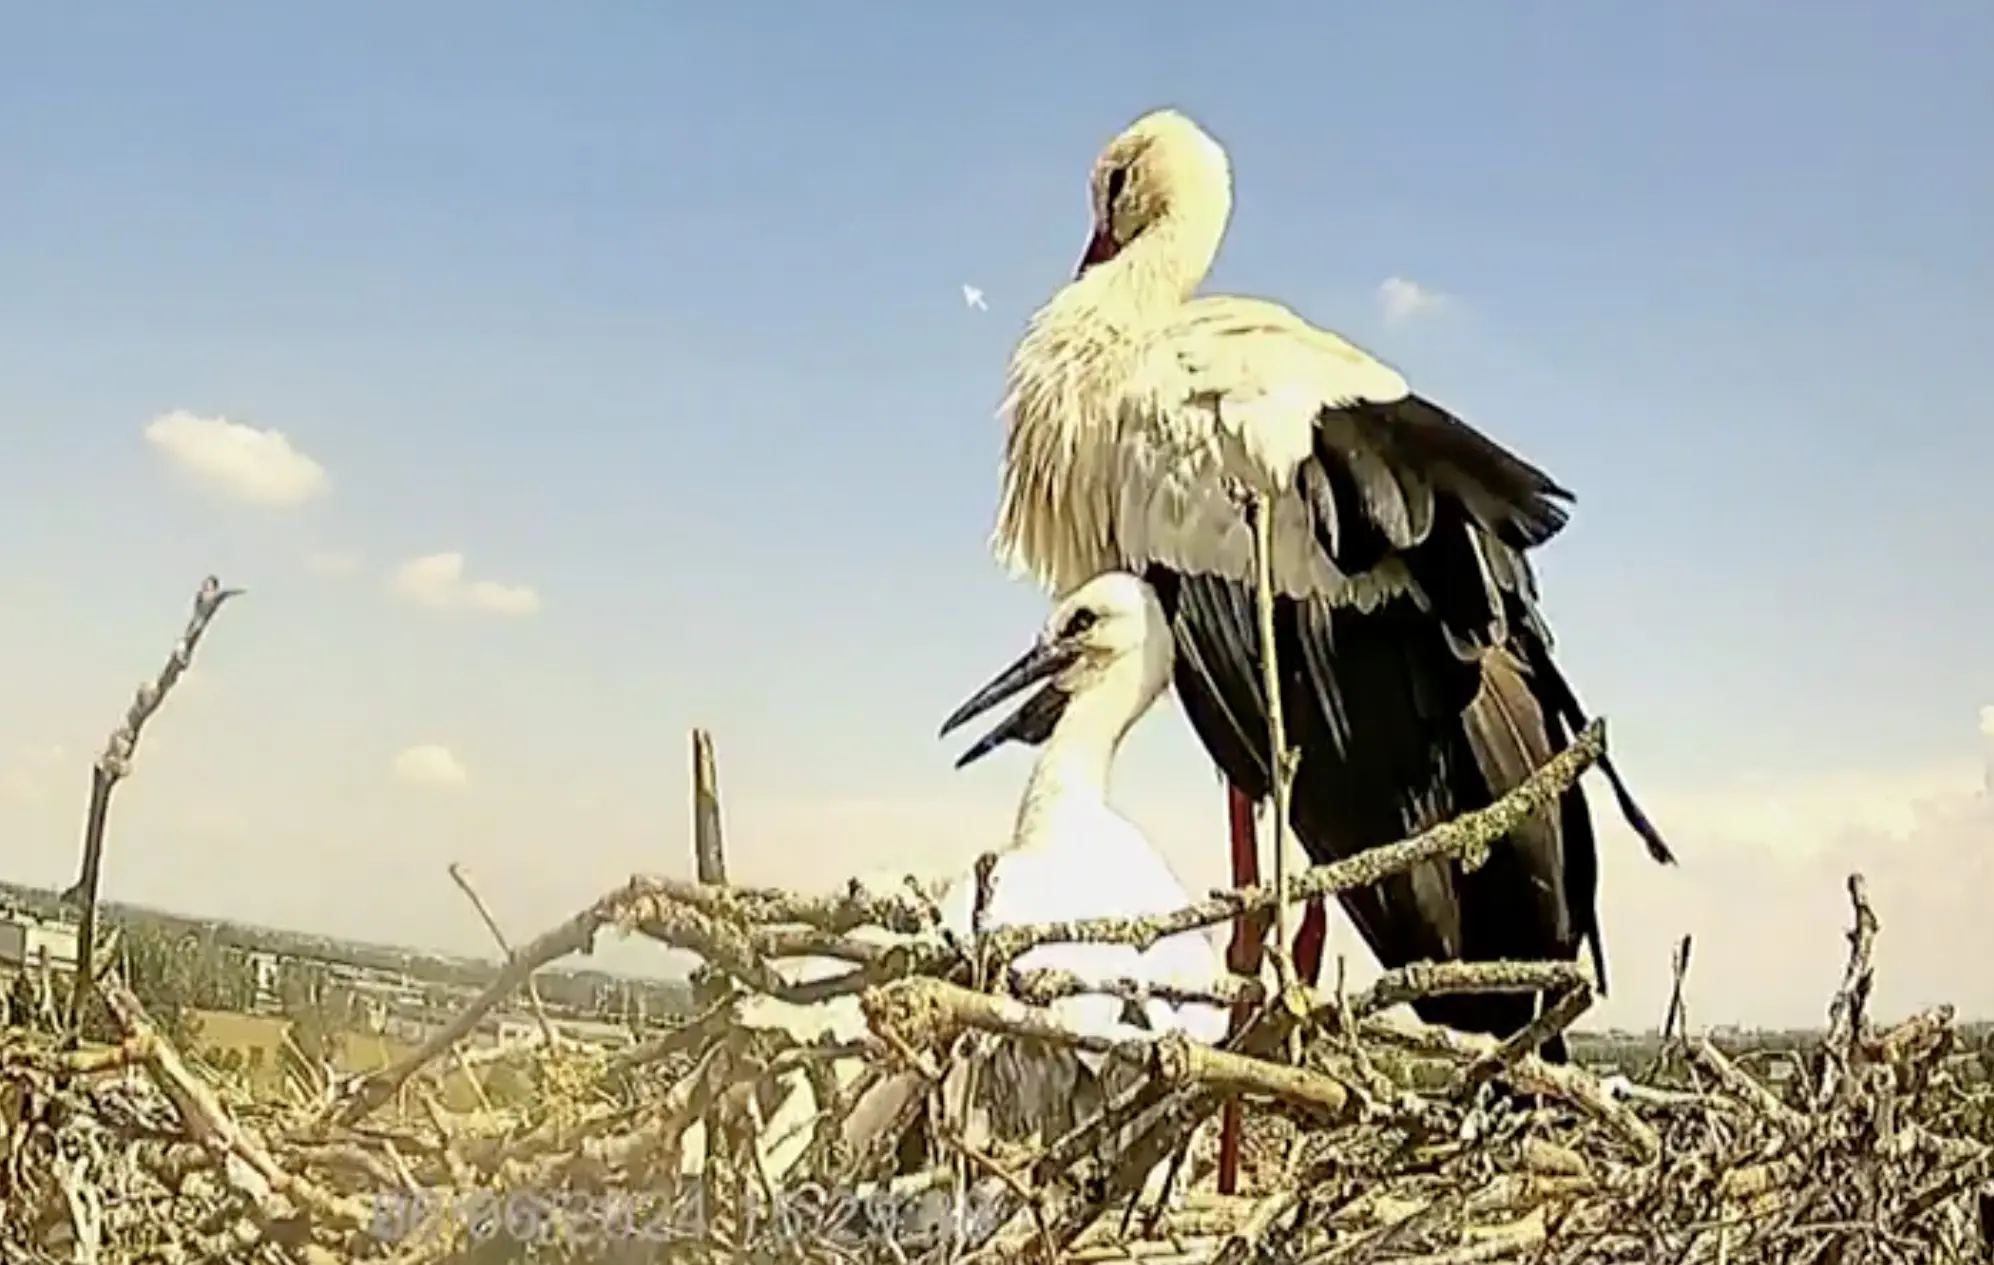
{"points": [[709, 852], [462, 879], [1466, 838], [113, 765]]}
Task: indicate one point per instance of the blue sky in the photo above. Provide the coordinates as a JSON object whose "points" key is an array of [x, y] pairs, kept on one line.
{"points": [[656, 310]]}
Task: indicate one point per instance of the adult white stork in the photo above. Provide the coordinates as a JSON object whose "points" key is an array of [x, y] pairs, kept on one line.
{"points": [[1104, 657], [1417, 675]]}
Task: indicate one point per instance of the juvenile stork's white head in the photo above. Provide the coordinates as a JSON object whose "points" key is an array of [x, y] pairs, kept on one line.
{"points": [[1104, 656], [1163, 172]]}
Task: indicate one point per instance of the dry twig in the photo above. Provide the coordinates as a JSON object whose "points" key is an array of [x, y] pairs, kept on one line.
{"points": [[113, 765]]}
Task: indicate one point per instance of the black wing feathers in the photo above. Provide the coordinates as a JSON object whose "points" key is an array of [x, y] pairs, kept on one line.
{"points": [[1414, 442], [1218, 684], [1405, 715]]}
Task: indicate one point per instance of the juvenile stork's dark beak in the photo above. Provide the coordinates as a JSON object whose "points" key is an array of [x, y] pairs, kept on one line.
{"points": [[1032, 723]]}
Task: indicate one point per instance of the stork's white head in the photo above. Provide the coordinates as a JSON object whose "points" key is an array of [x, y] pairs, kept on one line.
{"points": [[1106, 650], [1162, 169]]}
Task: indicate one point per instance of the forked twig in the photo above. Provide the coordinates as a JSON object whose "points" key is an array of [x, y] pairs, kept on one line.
{"points": [[462, 879]]}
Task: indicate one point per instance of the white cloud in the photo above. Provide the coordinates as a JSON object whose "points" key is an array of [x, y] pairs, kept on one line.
{"points": [[1809, 815], [240, 461], [438, 581], [430, 765], [1400, 300], [331, 562], [1762, 893]]}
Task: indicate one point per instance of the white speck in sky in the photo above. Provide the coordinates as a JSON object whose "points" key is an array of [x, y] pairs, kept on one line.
{"points": [[973, 297]]}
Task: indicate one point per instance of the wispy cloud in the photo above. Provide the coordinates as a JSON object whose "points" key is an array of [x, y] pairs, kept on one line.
{"points": [[1809, 815], [1761, 883], [1400, 300], [332, 562], [430, 764], [438, 581], [242, 462]]}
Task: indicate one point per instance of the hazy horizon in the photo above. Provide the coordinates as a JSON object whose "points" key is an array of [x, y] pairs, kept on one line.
{"points": [[556, 381]]}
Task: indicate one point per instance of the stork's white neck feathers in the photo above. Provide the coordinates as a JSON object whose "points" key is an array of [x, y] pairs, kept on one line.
{"points": [[1067, 371]]}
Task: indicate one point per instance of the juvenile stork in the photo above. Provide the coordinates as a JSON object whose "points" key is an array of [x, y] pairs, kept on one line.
{"points": [[1417, 676], [1103, 658]]}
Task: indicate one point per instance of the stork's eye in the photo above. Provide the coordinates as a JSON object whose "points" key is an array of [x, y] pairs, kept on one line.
{"points": [[1116, 179], [1079, 622]]}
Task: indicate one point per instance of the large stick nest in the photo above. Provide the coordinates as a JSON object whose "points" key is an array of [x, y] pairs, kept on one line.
{"points": [[1388, 1141], [1371, 1138]]}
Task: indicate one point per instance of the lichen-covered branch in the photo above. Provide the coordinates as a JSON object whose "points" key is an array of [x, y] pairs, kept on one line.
{"points": [[1466, 838]]}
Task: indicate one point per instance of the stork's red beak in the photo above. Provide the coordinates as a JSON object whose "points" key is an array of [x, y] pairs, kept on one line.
{"points": [[1100, 249]]}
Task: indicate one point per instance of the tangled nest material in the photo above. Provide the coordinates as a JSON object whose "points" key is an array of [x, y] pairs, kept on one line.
{"points": [[1376, 1139], [1385, 1143]]}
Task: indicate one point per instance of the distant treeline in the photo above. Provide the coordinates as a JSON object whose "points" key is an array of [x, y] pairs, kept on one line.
{"points": [[580, 992], [1629, 1051], [602, 993]]}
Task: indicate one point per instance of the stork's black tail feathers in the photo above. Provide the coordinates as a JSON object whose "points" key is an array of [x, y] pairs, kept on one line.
{"points": [[1566, 702]]}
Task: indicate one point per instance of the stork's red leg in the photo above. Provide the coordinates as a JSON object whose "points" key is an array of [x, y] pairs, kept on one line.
{"points": [[1249, 933], [1309, 942]]}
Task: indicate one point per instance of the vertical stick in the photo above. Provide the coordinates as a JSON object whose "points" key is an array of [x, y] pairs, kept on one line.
{"points": [[1675, 1022], [709, 856], [1281, 761], [111, 768], [1250, 934]]}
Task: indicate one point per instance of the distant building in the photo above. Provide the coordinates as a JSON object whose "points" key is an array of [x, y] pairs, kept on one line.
{"points": [[29, 941], [264, 968], [513, 1030]]}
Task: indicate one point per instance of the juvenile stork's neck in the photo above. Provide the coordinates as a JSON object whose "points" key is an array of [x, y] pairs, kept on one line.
{"points": [[1073, 767]]}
